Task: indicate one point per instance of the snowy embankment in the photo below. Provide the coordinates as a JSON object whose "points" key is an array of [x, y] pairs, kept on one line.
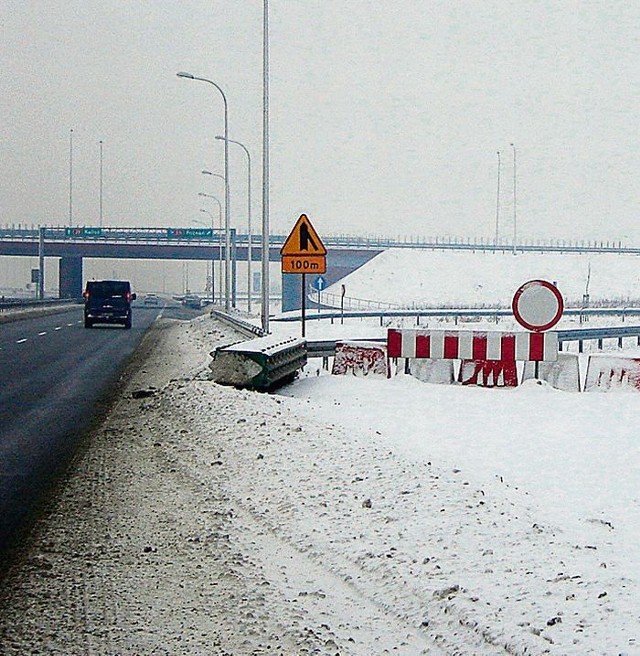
{"points": [[415, 278], [344, 515]]}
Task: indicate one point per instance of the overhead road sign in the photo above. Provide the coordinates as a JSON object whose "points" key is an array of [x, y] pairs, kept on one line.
{"points": [[83, 232], [537, 305], [189, 233], [303, 250]]}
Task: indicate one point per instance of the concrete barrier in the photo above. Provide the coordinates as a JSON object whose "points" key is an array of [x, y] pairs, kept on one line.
{"points": [[488, 373], [439, 372], [360, 359], [564, 374], [607, 373]]}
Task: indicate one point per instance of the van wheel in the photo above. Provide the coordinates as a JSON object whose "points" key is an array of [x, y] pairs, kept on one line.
{"points": [[88, 324], [127, 324]]}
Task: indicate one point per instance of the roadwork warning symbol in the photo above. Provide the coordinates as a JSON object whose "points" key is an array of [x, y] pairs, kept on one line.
{"points": [[303, 251]]}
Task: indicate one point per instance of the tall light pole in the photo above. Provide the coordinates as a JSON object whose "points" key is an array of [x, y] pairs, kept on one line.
{"points": [[265, 166], [100, 183], [497, 202], [514, 200], [249, 250], [219, 244], [227, 221], [71, 178]]}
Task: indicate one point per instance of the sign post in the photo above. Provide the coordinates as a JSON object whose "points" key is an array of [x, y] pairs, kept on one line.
{"points": [[303, 252], [319, 283], [537, 306]]}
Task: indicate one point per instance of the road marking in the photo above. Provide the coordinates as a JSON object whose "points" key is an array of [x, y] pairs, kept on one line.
{"points": [[70, 324], [21, 341], [58, 328], [42, 333]]}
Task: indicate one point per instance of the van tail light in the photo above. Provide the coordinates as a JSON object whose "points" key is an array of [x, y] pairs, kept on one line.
{"points": [[85, 295], [128, 296]]}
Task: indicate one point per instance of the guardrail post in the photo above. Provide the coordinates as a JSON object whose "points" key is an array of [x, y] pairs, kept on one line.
{"points": [[580, 344], [599, 345], [619, 342]]}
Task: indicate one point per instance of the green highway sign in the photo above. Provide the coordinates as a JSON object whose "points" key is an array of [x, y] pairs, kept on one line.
{"points": [[83, 232], [189, 233]]}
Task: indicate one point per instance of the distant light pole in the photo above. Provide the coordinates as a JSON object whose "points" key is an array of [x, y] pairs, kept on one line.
{"points": [[265, 166], [71, 178], [227, 221], [100, 183], [514, 199], [213, 298], [249, 250], [219, 242], [497, 202], [217, 175]]}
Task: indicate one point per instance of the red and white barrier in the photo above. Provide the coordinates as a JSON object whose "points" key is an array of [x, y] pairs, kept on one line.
{"points": [[360, 359], [610, 373], [472, 345], [564, 374], [488, 373]]}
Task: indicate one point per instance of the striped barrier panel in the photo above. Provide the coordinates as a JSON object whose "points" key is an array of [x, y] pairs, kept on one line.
{"points": [[472, 345]]}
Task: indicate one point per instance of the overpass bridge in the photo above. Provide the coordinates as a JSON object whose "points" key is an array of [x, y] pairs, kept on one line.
{"points": [[71, 245], [345, 253]]}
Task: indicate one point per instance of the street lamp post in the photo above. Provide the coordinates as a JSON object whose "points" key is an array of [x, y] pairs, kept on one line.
{"points": [[265, 166], [249, 236], [213, 297], [100, 183], [219, 243], [227, 222], [497, 203], [514, 199], [71, 178]]}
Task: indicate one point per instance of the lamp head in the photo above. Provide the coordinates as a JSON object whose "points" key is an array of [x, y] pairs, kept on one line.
{"points": [[187, 75]]}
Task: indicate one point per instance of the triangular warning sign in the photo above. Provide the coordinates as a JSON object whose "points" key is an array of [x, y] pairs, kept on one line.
{"points": [[303, 240]]}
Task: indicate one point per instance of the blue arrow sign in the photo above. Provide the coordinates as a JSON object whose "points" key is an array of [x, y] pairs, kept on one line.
{"points": [[319, 283]]}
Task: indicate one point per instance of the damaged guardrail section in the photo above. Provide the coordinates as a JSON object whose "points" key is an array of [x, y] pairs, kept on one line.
{"points": [[261, 364]]}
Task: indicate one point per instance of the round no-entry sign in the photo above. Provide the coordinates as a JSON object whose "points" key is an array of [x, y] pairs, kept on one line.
{"points": [[537, 305]]}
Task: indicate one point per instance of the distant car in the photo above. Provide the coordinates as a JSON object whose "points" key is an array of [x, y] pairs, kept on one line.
{"points": [[192, 301], [108, 301], [151, 300]]}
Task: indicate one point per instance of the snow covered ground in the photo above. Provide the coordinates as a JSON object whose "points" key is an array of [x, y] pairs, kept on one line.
{"points": [[433, 278], [344, 515]]}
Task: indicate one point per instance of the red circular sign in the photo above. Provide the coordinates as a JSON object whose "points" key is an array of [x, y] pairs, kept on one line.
{"points": [[537, 305]]}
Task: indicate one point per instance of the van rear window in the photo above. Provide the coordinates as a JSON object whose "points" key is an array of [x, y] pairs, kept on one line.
{"points": [[108, 288]]}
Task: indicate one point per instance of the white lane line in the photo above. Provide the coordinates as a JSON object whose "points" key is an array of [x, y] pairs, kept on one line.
{"points": [[58, 328], [21, 341], [42, 333], [70, 324]]}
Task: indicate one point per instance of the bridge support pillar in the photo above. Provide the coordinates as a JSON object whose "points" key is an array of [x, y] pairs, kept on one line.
{"points": [[70, 277], [291, 292]]}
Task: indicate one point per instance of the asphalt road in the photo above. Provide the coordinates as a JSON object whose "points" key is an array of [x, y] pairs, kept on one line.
{"points": [[53, 374]]}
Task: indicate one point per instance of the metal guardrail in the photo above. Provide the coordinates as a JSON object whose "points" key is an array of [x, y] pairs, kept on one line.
{"points": [[244, 327], [17, 303], [456, 313]]}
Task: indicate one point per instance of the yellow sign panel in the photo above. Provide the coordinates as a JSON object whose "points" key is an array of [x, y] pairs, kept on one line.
{"points": [[304, 264], [303, 251]]}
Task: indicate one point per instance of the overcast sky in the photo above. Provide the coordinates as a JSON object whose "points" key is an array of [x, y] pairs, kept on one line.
{"points": [[385, 117]]}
